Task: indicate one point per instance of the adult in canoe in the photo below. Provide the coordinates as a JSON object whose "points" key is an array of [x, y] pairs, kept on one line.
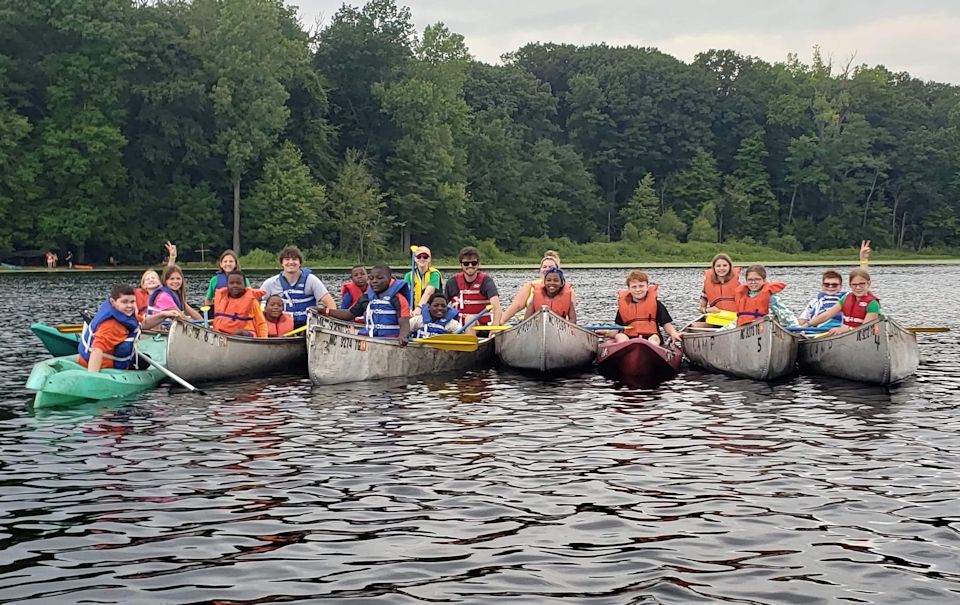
{"points": [[424, 279], [228, 263], [858, 307], [471, 290], [384, 306], [279, 322], [299, 288], [351, 291], [435, 317], [831, 293], [108, 340], [171, 294], [641, 312], [720, 283], [550, 260], [758, 298], [554, 293], [238, 308]]}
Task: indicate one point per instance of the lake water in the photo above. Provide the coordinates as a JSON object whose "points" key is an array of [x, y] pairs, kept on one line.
{"points": [[491, 487]]}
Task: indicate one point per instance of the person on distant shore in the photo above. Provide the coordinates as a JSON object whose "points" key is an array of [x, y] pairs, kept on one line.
{"points": [[299, 288], [720, 283], [171, 294], [238, 308], [641, 313], [859, 306], [69, 259], [424, 279], [832, 292], [51, 260], [228, 263], [279, 322], [550, 260], [351, 291], [554, 293], [384, 307], [471, 290], [435, 317], [107, 341], [758, 298]]}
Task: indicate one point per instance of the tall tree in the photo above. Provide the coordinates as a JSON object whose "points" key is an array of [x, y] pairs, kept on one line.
{"points": [[359, 207]]}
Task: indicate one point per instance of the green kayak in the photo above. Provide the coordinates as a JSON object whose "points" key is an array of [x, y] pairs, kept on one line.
{"points": [[58, 343], [62, 380]]}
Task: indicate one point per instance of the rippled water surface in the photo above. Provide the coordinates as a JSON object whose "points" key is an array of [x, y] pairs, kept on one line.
{"points": [[491, 487]]}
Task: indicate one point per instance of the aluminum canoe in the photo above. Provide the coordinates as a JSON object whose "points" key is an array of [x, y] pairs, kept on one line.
{"points": [[199, 354], [761, 350], [880, 352], [546, 342], [337, 354]]}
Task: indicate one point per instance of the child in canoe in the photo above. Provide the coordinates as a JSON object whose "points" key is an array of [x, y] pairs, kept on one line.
{"points": [[171, 294], [832, 292], [859, 306], [228, 263], [150, 281], [641, 313], [107, 341], [435, 317], [555, 293], [351, 291], [720, 283], [279, 322], [758, 298], [238, 308], [384, 307], [550, 260]]}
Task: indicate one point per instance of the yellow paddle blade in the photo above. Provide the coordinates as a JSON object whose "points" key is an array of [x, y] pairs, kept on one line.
{"points": [[450, 342], [492, 328], [928, 329], [721, 318], [296, 331], [70, 328]]}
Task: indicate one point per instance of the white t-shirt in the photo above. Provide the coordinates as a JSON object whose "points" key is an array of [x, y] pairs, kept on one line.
{"points": [[416, 322]]}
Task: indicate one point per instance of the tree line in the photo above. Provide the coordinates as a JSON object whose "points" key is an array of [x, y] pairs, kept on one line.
{"points": [[225, 122]]}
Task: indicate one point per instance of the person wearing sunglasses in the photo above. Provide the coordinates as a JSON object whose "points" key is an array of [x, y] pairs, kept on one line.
{"points": [[858, 307], [424, 280], [832, 292], [471, 290]]}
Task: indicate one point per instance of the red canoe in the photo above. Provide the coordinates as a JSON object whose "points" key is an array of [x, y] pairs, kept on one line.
{"points": [[638, 358]]}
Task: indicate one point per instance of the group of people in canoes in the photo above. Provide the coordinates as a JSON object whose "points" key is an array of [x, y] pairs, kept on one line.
{"points": [[421, 305]]}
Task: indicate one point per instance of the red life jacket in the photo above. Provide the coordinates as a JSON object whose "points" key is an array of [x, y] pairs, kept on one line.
{"points": [[470, 300], [353, 290], [143, 300], [855, 309], [559, 304], [641, 315], [723, 296], [752, 308]]}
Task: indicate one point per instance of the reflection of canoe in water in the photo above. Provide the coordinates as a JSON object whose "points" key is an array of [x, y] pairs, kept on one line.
{"points": [[57, 342], [62, 380], [638, 358], [762, 350], [546, 342], [337, 354], [880, 352], [195, 353]]}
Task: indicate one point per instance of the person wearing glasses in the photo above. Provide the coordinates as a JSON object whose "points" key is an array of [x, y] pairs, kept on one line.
{"points": [[832, 292], [758, 298], [424, 280], [859, 306], [471, 290]]}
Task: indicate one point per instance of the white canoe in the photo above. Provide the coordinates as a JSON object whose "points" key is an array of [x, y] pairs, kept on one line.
{"points": [[761, 350], [195, 353], [337, 354], [880, 352], [546, 342]]}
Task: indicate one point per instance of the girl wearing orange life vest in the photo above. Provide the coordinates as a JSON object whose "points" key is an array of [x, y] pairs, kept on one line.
{"points": [[720, 283], [859, 306], [238, 309], [758, 297], [639, 310], [550, 260], [554, 293]]}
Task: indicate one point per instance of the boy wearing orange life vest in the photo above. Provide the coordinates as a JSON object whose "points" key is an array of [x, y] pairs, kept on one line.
{"points": [[758, 298], [639, 310], [238, 308], [859, 306], [554, 293], [279, 322]]}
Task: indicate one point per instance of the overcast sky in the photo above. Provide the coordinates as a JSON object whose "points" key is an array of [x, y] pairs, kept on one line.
{"points": [[921, 37]]}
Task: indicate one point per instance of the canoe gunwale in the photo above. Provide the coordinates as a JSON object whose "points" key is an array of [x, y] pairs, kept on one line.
{"points": [[577, 350], [732, 351]]}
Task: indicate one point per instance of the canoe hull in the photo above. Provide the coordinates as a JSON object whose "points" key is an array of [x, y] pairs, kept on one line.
{"points": [[56, 342], [881, 352], [546, 342], [198, 354], [336, 354], [638, 358], [62, 381], [761, 350]]}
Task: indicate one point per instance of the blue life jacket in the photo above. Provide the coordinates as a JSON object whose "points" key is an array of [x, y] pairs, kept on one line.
{"points": [[296, 301], [382, 319], [124, 354], [221, 280], [432, 327], [827, 301], [151, 310]]}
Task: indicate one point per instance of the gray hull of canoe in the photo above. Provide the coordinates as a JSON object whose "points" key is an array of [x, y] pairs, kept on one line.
{"points": [[761, 350], [198, 354], [546, 342], [880, 352], [335, 354]]}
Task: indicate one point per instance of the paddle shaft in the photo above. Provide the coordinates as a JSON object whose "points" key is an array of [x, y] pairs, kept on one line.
{"points": [[170, 374], [475, 319]]}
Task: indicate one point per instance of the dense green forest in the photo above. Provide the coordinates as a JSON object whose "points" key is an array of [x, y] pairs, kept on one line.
{"points": [[123, 124]]}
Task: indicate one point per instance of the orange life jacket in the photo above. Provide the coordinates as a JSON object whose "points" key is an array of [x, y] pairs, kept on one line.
{"points": [[235, 314], [559, 304], [855, 309], [143, 300], [281, 326], [752, 308], [641, 315], [723, 296]]}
